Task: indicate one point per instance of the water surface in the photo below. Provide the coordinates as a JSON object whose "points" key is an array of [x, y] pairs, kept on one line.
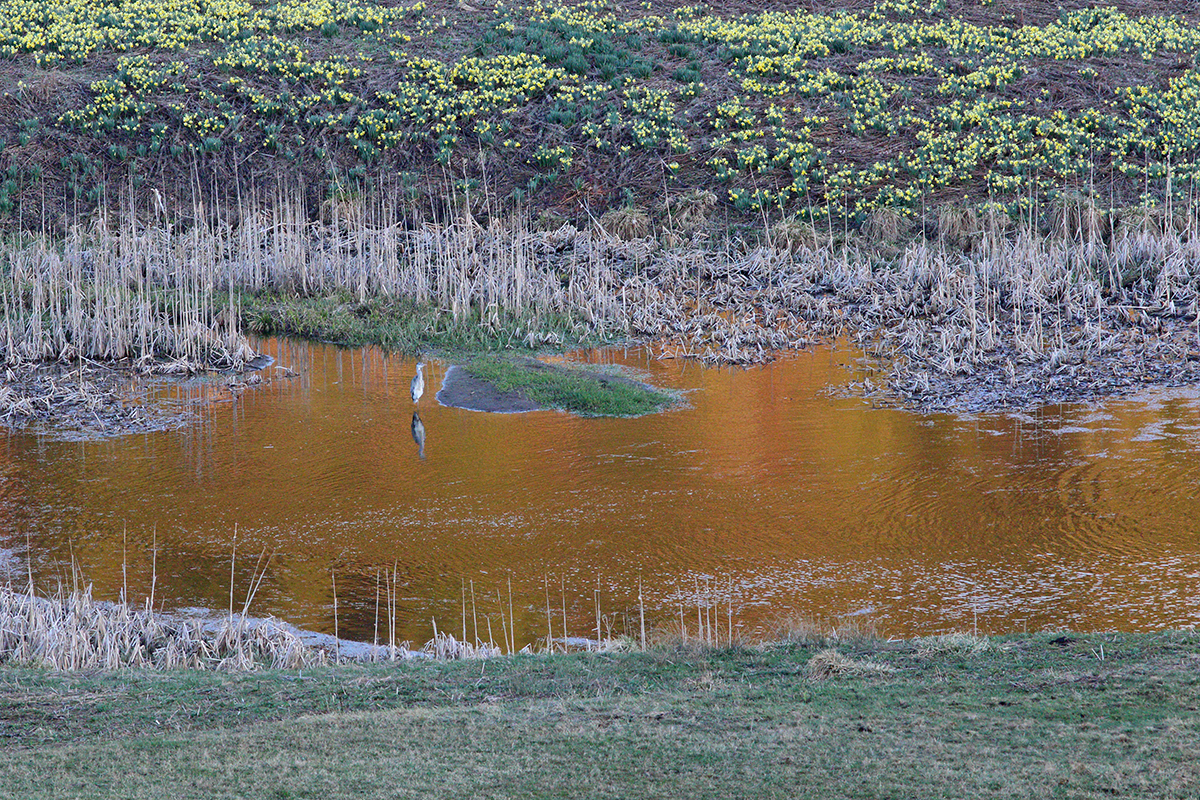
{"points": [[767, 492]]}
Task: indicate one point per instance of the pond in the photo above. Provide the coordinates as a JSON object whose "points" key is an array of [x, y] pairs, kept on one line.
{"points": [[767, 495]]}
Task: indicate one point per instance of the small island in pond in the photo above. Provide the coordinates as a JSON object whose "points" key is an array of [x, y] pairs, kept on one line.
{"points": [[508, 385]]}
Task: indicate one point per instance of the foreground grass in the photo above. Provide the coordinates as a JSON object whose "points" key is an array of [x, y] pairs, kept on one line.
{"points": [[1029, 716], [576, 389]]}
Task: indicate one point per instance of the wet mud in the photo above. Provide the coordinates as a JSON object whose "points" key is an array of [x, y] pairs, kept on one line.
{"points": [[92, 400], [461, 389]]}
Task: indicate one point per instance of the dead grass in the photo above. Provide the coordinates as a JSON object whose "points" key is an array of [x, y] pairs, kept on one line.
{"points": [[626, 223], [808, 631], [689, 211], [830, 663], [72, 631]]}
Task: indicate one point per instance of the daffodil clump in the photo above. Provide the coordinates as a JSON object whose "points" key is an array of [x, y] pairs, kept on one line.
{"points": [[825, 114]]}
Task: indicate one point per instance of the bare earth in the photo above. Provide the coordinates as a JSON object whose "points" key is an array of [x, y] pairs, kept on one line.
{"points": [[463, 390]]}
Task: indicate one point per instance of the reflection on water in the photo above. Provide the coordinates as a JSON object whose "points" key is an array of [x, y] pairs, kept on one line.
{"points": [[418, 434], [766, 491]]}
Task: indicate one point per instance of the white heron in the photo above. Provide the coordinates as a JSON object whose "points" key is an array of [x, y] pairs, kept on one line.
{"points": [[418, 433], [418, 382]]}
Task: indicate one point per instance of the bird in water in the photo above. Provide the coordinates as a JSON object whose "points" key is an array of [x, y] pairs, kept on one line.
{"points": [[418, 383], [418, 433]]}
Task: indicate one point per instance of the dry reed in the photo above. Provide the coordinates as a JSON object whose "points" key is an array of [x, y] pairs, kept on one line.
{"points": [[1088, 307], [73, 631]]}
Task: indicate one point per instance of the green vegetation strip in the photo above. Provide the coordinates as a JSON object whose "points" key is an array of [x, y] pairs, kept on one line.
{"points": [[397, 325], [580, 390], [1027, 716]]}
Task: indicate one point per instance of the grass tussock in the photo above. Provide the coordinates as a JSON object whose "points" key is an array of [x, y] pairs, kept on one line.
{"points": [[829, 663], [963, 644], [73, 631]]}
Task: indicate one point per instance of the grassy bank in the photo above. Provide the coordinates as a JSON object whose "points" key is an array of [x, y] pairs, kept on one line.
{"points": [[1026, 716], [640, 116], [404, 326]]}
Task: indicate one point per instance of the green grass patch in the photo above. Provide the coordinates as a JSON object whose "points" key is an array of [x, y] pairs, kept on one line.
{"points": [[580, 390], [401, 326], [1026, 716]]}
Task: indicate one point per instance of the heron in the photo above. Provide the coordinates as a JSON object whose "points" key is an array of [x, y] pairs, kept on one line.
{"points": [[418, 434], [418, 382]]}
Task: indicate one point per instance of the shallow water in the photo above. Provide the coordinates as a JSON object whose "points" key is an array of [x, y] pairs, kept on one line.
{"points": [[768, 493]]}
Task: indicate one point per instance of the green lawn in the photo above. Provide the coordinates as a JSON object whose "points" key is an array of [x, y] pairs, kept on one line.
{"points": [[1025, 717]]}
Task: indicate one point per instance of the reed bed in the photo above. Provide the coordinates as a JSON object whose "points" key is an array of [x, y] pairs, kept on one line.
{"points": [[73, 631], [139, 294], [985, 314], [1019, 317]]}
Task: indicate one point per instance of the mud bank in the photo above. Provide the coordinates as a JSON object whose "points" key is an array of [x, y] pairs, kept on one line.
{"points": [[461, 389], [92, 400]]}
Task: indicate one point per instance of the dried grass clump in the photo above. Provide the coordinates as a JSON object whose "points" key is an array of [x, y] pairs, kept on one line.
{"points": [[689, 211], [961, 644], [886, 225], [794, 234], [805, 630], [1074, 215], [549, 220], [994, 222], [626, 223], [830, 663], [957, 225], [344, 211], [73, 632], [1156, 220], [444, 647]]}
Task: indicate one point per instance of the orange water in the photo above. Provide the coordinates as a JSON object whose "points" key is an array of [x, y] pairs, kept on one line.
{"points": [[767, 494]]}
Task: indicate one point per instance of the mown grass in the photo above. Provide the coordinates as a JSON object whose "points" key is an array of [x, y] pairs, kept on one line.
{"points": [[580, 390], [1025, 716]]}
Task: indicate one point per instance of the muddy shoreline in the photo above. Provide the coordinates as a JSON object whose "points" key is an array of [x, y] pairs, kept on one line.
{"points": [[92, 400], [1007, 384], [461, 389]]}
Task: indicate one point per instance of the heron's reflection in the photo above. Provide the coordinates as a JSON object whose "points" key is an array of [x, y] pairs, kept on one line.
{"points": [[418, 434]]}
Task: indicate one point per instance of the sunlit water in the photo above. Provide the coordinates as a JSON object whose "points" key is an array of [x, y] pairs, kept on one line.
{"points": [[767, 494]]}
